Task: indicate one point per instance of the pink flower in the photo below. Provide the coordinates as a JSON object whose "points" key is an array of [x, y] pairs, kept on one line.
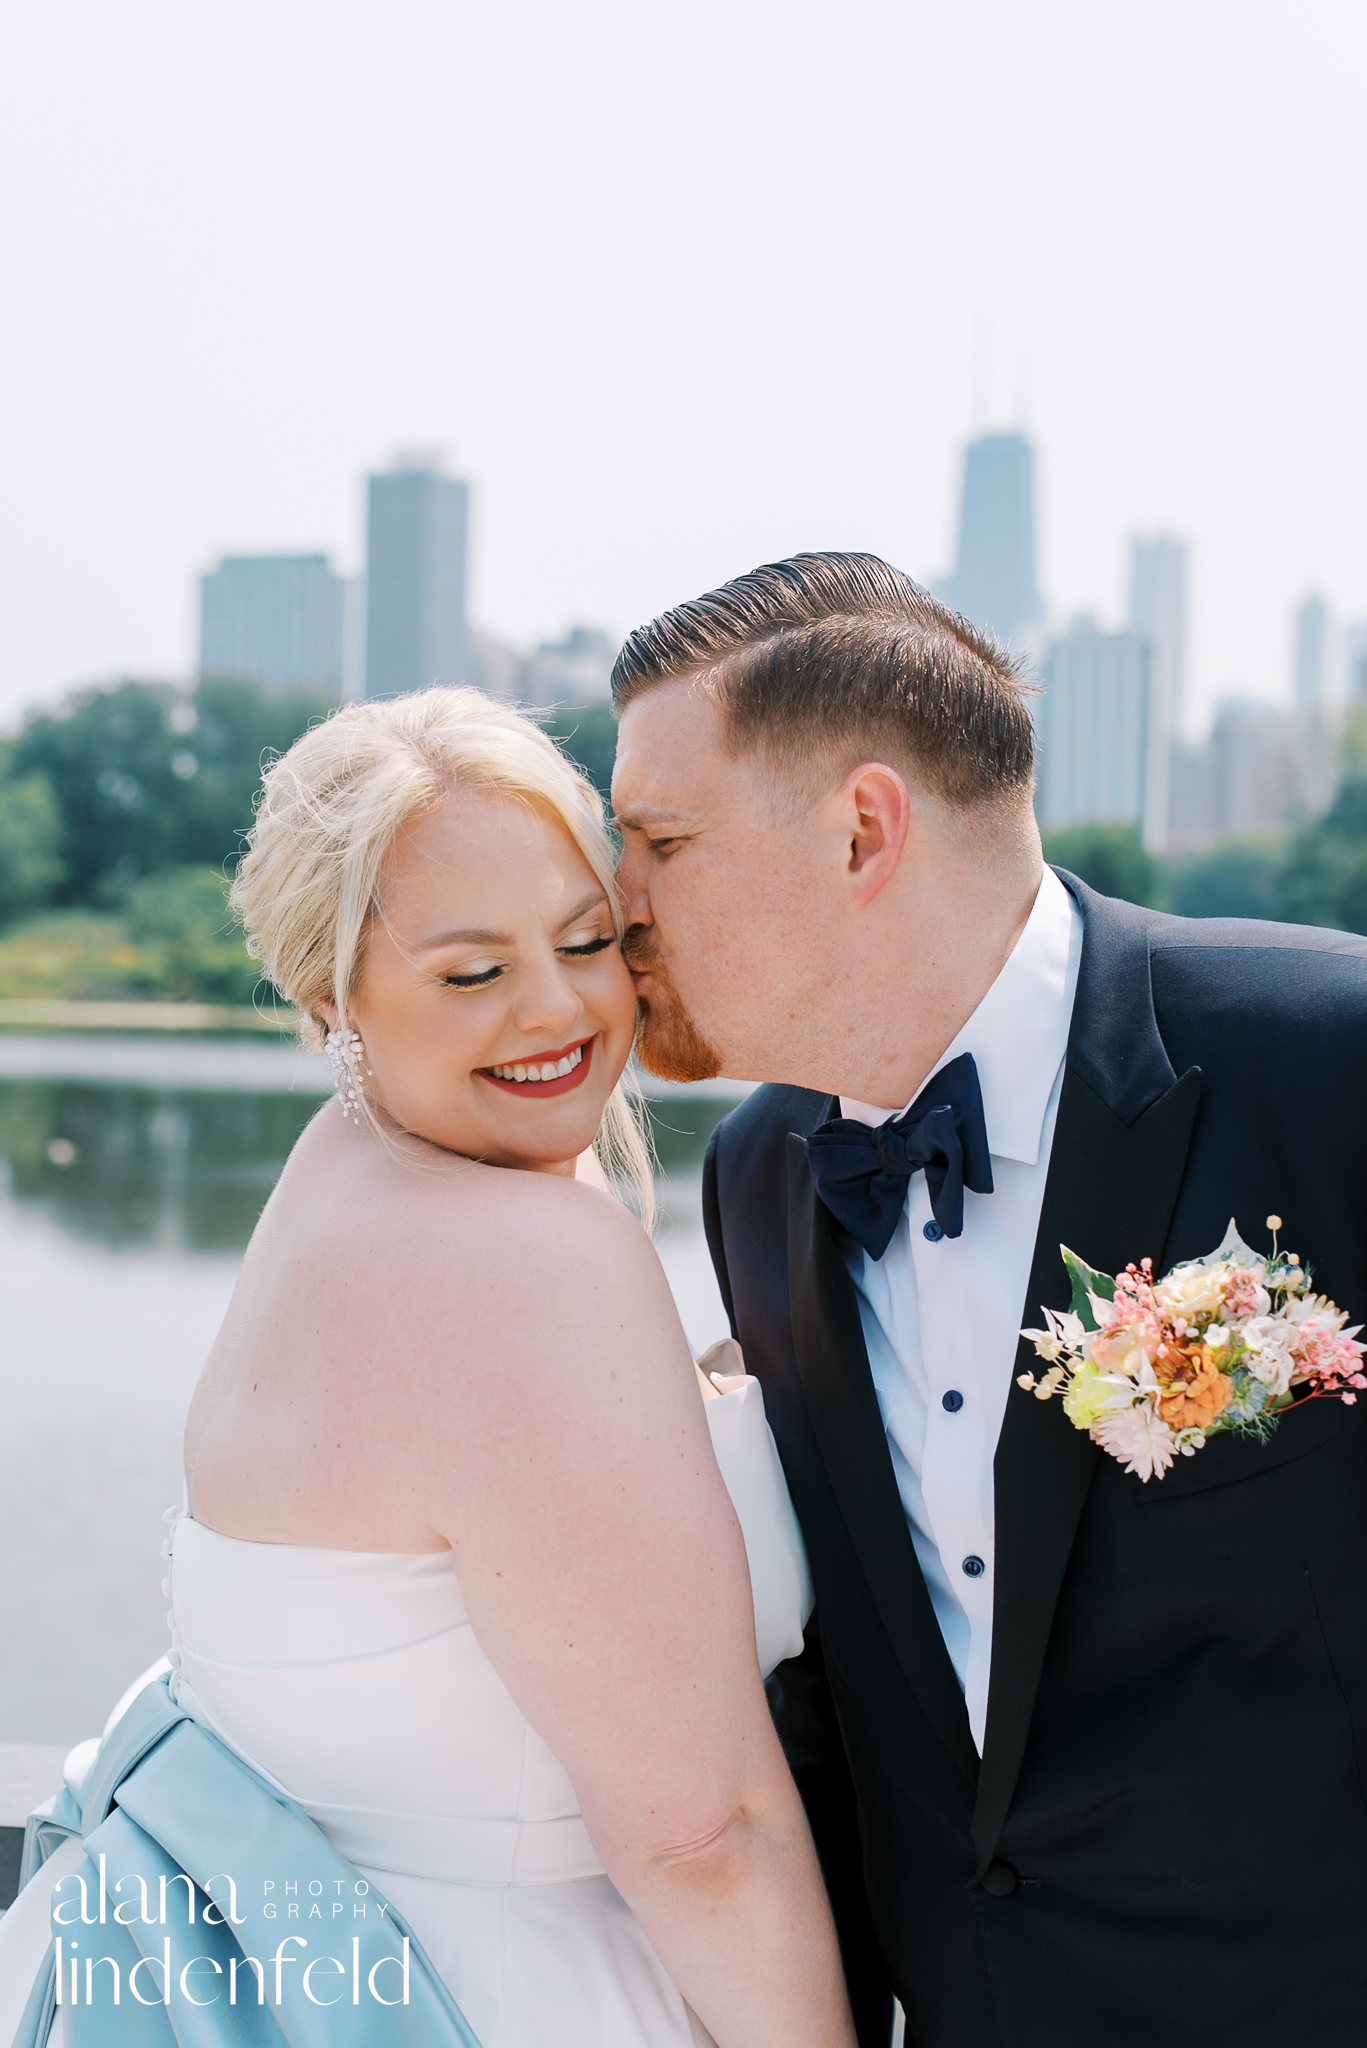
{"points": [[1139, 1439], [1324, 1350], [1120, 1348], [1245, 1294]]}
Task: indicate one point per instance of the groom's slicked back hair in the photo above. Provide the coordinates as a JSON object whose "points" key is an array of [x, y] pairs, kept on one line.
{"points": [[825, 660]]}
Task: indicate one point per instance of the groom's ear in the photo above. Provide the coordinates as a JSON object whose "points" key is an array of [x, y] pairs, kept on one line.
{"points": [[876, 817]]}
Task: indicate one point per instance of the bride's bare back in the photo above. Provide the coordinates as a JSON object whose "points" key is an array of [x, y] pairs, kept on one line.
{"points": [[406, 1325]]}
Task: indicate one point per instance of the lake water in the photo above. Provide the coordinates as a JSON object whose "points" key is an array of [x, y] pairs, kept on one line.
{"points": [[131, 1175]]}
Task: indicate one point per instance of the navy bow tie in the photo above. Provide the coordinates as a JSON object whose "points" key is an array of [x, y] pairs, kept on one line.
{"points": [[861, 1172]]}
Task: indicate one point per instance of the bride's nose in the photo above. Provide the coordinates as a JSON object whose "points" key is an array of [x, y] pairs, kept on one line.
{"points": [[546, 1000]]}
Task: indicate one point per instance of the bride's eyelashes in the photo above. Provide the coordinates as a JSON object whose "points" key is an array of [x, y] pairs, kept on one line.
{"points": [[486, 976]]}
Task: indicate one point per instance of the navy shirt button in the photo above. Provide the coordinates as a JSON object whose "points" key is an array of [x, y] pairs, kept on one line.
{"points": [[933, 1230], [974, 1567], [952, 1402]]}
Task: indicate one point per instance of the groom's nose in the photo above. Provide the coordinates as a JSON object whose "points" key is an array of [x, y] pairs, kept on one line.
{"points": [[632, 889]]}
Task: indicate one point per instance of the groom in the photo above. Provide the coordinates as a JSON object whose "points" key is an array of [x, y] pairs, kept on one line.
{"points": [[1085, 1757]]}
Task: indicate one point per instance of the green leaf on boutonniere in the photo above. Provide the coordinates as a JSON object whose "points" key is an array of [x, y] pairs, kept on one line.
{"points": [[1086, 1282]]}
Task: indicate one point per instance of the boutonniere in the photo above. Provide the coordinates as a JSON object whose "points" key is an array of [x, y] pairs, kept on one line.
{"points": [[1150, 1368]]}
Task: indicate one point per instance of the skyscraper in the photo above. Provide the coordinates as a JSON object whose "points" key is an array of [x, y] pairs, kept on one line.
{"points": [[415, 577], [1355, 661], [274, 619], [1093, 724], [575, 670], [1312, 648], [1257, 774], [1158, 611], [993, 583]]}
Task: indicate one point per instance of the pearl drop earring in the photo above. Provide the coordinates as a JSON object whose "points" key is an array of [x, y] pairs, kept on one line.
{"points": [[346, 1055]]}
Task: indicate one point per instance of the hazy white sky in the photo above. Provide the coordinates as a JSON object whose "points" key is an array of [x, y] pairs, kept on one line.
{"points": [[681, 289]]}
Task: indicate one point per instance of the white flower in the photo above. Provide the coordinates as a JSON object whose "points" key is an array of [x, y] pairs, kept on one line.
{"points": [[1270, 1355], [1313, 1316], [1192, 1290], [1065, 1333], [1138, 1438]]}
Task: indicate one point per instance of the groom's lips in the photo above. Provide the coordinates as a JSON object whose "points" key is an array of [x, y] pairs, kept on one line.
{"points": [[539, 1090]]}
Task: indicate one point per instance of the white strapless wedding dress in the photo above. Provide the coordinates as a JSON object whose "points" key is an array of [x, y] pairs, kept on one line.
{"points": [[354, 1681]]}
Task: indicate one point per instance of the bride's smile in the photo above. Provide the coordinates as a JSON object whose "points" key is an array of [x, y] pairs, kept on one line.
{"points": [[546, 1073]]}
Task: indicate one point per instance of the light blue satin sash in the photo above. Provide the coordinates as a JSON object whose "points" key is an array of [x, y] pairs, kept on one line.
{"points": [[168, 1805]]}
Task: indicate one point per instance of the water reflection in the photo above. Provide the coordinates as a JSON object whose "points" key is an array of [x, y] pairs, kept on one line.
{"points": [[190, 1169], [126, 1167]]}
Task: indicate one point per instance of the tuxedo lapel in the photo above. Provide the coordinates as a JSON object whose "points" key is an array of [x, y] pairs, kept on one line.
{"points": [[1119, 1153], [838, 1389]]}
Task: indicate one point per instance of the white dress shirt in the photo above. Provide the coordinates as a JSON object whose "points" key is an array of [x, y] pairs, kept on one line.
{"points": [[941, 1315]]}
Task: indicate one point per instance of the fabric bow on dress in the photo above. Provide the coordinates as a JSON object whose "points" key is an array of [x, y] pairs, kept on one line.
{"points": [[166, 1802]]}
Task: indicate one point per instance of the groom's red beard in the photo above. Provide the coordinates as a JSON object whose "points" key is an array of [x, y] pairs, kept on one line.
{"points": [[668, 1042]]}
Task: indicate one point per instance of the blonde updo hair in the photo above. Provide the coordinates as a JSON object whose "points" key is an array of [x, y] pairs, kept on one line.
{"points": [[329, 811]]}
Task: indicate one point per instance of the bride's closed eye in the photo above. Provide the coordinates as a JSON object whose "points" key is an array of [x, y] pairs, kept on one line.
{"points": [[480, 979], [579, 949]]}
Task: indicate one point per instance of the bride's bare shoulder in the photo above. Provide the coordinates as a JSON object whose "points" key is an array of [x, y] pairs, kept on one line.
{"points": [[421, 1234]]}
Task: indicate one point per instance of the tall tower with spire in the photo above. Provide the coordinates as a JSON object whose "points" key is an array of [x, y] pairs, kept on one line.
{"points": [[993, 583]]}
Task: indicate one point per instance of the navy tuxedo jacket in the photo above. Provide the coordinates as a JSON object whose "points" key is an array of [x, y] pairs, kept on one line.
{"points": [[1165, 1841]]}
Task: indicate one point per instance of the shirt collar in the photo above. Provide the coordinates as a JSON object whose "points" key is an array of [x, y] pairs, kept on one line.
{"points": [[1018, 1034]]}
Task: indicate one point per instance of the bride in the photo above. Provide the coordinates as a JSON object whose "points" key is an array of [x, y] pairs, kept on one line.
{"points": [[459, 1573]]}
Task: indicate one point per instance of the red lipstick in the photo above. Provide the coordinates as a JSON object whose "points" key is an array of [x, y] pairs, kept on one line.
{"points": [[539, 1090]]}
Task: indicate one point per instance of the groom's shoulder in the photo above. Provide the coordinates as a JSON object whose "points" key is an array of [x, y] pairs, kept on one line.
{"points": [[1296, 971], [752, 1141], [1279, 969], [1233, 992]]}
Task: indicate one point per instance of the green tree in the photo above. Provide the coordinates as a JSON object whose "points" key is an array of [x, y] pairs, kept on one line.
{"points": [[589, 736], [146, 777], [239, 729], [1324, 877], [31, 865], [1239, 878], [192, 949], [1110, 859], [107, 755]]}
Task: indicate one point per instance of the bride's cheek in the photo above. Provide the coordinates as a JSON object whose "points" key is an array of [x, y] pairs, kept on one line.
{"points": [[620, 993]]}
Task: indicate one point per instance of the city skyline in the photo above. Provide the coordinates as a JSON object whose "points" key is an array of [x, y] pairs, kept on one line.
{"points": [[433, 236], [257, 613], [998, 546]]}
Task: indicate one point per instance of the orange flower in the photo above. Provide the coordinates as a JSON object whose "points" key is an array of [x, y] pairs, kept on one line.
{"points": [[1197, 1394]]}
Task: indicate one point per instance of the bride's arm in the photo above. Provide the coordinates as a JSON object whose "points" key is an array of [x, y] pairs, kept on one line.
{"points": [[604, 1572]]}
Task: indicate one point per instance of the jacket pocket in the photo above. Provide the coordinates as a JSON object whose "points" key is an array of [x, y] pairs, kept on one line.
{"points": [[1225, 1460]]}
